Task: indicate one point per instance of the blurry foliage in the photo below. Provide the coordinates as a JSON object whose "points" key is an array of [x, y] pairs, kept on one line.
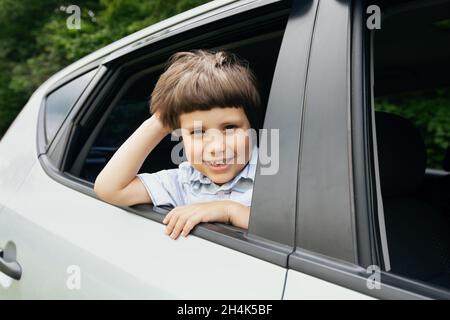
{"points": [[35, 41], [430, 112]]}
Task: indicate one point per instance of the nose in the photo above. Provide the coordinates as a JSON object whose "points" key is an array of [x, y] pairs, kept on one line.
{"points": [[215, 144]]}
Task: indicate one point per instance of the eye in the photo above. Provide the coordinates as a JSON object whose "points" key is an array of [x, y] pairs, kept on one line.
{"points": [[230, 128], [197, 132]]}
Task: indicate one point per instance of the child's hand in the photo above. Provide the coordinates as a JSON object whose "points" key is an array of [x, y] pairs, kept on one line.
{"points": [[183, 219]]}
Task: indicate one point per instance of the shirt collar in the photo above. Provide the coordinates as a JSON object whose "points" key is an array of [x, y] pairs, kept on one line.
{"points": [[239, 183]]}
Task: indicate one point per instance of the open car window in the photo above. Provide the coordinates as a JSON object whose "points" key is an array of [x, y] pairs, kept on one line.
{"points": [[130, 106], [412, 117]]}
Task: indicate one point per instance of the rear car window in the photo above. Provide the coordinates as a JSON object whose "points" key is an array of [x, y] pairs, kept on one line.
{"points": [[61, 100]]}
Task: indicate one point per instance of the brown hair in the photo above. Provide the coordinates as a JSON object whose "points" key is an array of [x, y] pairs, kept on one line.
{"points": [[201, 80]]}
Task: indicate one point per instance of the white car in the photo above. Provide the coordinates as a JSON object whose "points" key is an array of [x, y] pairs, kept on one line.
{"points": [[317, 228]]}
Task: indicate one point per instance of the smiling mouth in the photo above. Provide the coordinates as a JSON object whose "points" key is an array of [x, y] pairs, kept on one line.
{"points": [[219, 163], [218, 168]]}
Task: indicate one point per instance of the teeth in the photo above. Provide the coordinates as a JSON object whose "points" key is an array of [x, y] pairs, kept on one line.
{"points": [[215, 163]]}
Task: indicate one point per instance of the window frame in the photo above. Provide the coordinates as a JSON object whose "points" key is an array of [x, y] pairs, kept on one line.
{"points": [[226, 235], [325, 163]]}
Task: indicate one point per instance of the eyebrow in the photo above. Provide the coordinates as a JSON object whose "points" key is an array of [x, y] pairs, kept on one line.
{"points": [[222, 124]]}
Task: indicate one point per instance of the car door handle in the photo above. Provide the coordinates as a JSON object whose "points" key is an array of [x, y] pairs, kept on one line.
{"points": [[8, 263]]}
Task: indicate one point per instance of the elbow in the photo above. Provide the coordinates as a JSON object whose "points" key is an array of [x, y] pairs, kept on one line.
{"points": [[99, 190], [109, 193], [103, 192]]}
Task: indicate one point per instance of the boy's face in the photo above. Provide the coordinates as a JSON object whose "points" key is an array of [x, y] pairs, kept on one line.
{"points": [[217, 142]]}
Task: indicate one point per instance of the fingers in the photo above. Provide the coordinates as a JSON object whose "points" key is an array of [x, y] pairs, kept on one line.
{"points": [[189, 225], [171, 219], [179, 225], [168, 216], [175, 221], [181, 221]]}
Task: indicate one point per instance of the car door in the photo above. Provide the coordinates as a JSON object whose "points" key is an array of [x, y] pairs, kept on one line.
{"points": [[341, 248], [71, 245]]}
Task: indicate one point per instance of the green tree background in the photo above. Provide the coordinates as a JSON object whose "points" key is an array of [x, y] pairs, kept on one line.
{"points": [[35, 41]]}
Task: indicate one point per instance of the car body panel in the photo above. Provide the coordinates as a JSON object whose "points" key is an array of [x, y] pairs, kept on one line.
{"points": [[301, 286], [118, 254], [18, 149]]}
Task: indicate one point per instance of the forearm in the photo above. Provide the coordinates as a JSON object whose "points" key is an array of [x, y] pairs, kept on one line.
{"points": [[239, 215], [128, 159]]}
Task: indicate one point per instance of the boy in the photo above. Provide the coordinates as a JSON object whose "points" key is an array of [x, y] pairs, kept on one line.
{"points": [[210, 97]]}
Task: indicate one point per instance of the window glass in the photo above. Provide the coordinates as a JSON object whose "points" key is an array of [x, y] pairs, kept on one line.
{"points": [[60, 101], [412, 116], [429, 111]]}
